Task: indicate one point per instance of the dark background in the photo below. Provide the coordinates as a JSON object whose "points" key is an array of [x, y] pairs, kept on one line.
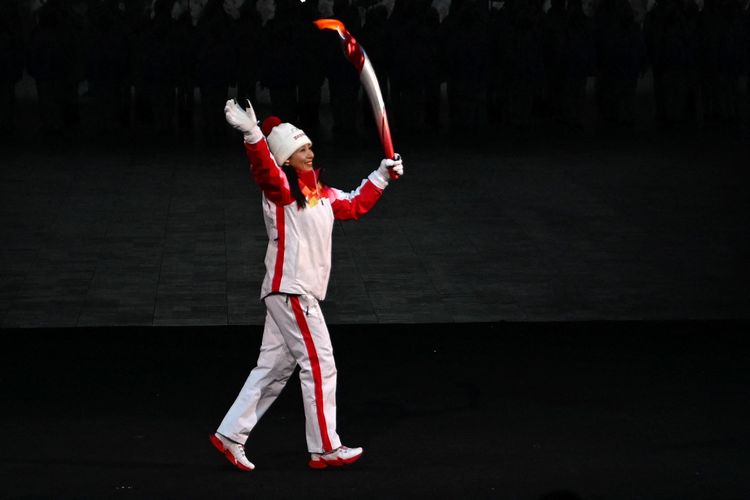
{"points": [[551, 303]]}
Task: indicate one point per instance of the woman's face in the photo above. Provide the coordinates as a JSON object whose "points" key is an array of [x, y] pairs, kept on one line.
{"points": [[302, 159]]}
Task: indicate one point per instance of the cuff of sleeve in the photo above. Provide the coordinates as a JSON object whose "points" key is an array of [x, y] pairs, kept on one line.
{"points": [[254, 136], [377, 178]]}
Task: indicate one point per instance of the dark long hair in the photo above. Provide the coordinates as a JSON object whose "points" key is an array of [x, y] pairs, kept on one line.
{"points": [[291, 176]]}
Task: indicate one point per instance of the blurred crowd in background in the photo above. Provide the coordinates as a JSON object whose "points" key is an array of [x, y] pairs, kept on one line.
{"points": [[167, 66]]}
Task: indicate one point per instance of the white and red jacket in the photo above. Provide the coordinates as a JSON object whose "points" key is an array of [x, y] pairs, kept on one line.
{"points": [[298, 257]]}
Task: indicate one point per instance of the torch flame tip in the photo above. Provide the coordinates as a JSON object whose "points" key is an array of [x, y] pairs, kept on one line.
{"points": [[330, 24]]}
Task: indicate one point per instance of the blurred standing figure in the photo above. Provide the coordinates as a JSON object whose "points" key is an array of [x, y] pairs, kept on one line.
{"points": [[720, 59], [216, 45], [556, 53], [343, 80], [310, 86], [669, 41], [581, 63], [52, 62], [621, 60], [466, 50], [413, 51], [433, 64], [249, 36], [107, 66], [374, 38], [521, 64], [161, 66], [280, 44], [184, 40], [138, 15], [497, 32], [11, 65]]}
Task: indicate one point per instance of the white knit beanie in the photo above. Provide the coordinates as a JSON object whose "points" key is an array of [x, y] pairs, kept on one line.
{"points": [[284, 139]]}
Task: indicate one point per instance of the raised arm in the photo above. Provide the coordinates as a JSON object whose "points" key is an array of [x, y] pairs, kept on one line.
{"points": [[266, 172]]}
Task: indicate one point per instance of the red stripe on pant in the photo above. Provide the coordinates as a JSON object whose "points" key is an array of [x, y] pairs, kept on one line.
{"points": [[299, 314], [278, 268]]}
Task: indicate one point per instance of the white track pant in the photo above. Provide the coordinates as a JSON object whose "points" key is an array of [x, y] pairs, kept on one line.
{"points": [[295, 333]]}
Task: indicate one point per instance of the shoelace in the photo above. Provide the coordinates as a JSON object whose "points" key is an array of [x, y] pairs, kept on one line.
{"points": [[238, 447], [336, 451], [331, 453]]}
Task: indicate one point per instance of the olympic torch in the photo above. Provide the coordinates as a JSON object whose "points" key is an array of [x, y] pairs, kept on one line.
{"points": [[358, 57]]}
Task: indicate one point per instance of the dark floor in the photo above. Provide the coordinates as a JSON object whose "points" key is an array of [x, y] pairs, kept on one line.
{"points": [[591, 410]]}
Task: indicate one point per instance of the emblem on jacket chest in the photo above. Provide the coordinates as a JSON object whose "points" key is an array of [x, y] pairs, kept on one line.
{"points": [[311, 195]]}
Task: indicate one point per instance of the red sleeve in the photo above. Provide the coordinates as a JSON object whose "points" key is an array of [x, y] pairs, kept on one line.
{"points": [[267, 174], [355, 204]]}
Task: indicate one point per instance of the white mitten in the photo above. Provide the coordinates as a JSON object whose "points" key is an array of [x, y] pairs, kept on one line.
{"points": [[388, 169], [394, 166], [243, 120]]}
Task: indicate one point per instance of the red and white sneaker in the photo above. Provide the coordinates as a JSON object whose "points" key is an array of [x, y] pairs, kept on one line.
{"points": [[337, 458], [235, 452]]}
